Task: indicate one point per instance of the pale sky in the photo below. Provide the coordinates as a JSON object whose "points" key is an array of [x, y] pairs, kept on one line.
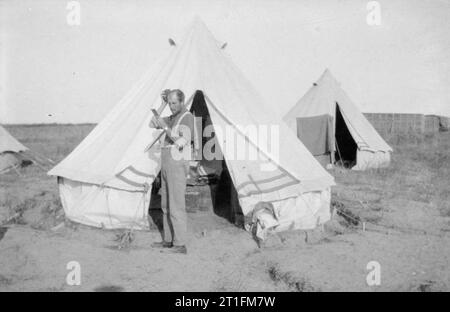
{"points": [[53, 72]]}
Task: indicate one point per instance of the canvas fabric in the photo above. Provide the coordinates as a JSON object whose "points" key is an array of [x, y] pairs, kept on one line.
{"points": [[111, 160]]}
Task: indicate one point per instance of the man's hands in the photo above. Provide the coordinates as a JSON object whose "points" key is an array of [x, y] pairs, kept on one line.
{"points": [[164, 95]]}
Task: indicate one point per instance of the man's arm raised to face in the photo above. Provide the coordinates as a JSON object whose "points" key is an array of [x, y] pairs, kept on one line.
{"points": [[153, 122]]}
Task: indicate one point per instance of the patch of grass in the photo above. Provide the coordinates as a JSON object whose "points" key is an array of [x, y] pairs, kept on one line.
{"points": [[5, 281], [53, 208], [418, 172], [124, 239], [51, 213], [34, 208], [16, 211], [348, 218], [291, 280], [410, 138]]}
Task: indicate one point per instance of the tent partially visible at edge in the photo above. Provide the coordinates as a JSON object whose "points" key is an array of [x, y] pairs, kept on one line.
{"points": [[333, 128], [11, 152], [101, 181]]}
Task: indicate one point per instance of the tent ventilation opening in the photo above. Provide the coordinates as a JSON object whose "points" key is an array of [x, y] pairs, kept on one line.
{"points": [[345, 144]]}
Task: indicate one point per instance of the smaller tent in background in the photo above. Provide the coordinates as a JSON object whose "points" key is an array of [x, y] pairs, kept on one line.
{"points": [[334, 129], [11, 152]]}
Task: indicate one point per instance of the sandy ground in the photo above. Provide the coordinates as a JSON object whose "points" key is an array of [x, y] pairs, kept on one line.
{"points": [[407, 232]]}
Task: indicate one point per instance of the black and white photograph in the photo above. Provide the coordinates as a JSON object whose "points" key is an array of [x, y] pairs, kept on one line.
{"points": [[221, 147]]}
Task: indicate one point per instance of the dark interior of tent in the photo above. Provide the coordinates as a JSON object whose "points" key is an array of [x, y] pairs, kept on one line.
{"points": [[208, 188], [345, 144]]}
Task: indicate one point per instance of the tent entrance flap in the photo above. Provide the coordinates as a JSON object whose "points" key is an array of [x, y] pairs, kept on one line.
{"points": [[346, 145], [317, 135]]}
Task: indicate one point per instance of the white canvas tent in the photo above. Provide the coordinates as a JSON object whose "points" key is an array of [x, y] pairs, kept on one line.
{"points": [[101, 180], [349, 136], [11, 152]]}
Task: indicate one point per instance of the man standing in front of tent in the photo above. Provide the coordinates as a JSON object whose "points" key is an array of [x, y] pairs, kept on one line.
{"points": [[175, 153]]}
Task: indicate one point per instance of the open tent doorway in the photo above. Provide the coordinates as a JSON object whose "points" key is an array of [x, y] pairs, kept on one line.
{"points": [[224, 197], [345, 144]]}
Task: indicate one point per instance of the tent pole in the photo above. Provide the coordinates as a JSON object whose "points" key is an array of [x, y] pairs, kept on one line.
{"points": [[339, 152]]}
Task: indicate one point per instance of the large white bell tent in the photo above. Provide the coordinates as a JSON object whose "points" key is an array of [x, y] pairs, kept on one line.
{"points": [[333, 128], [101, 181]]}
